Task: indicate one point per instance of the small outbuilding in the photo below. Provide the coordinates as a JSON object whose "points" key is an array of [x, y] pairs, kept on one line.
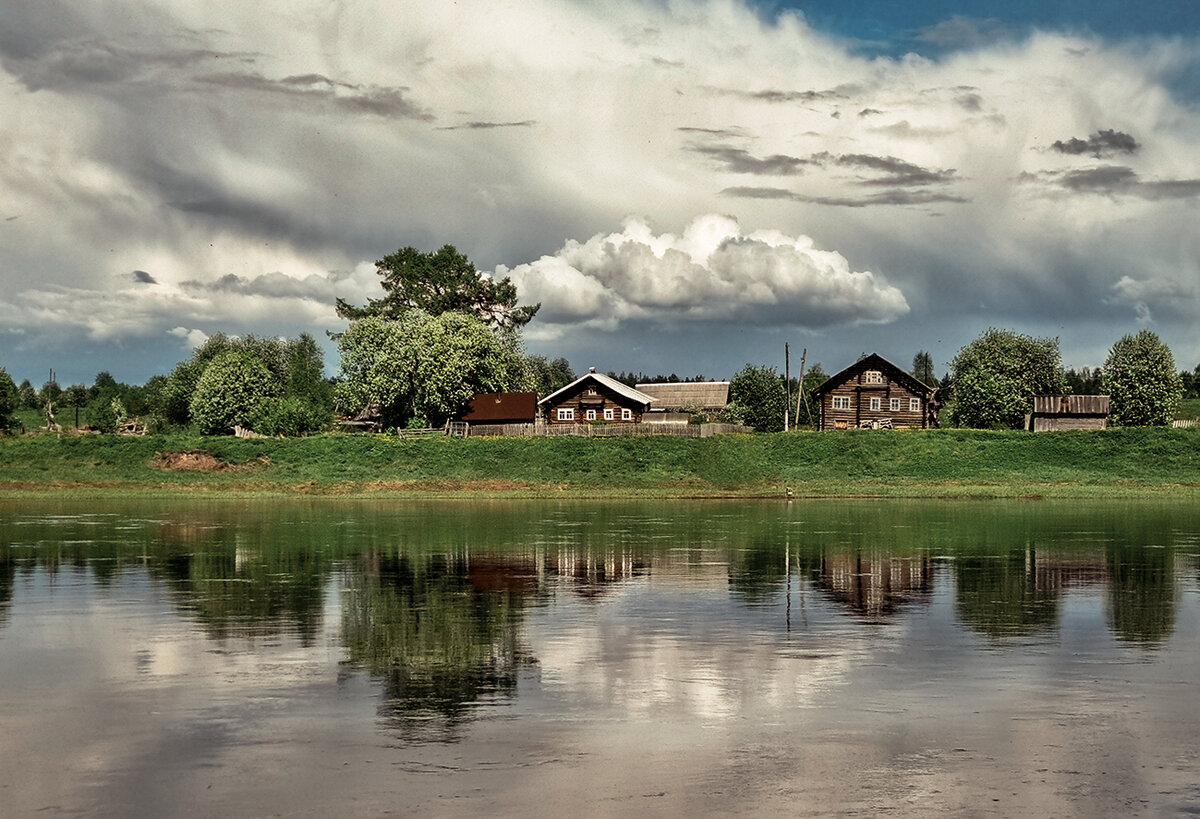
{"points": [[676, 402], [874, 393], [1068, 412], [595, 397], [502, 408]]}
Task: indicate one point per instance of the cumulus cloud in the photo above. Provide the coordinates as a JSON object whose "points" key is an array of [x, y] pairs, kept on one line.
{"points": [[711, 272], [1158, 295]]}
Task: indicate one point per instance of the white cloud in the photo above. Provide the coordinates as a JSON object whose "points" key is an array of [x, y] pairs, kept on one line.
{"points": [[709, 273]]}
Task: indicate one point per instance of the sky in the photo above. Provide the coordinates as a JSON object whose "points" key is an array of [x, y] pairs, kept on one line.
{"points": [[684, 185]]}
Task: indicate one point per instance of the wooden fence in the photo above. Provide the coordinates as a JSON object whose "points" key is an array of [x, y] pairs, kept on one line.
{"points": [[1188, 422], [607, 430]]}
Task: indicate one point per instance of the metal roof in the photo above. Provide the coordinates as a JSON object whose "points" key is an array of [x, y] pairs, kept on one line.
{"points": [[501, 406], [611, 383], [704, 394]]}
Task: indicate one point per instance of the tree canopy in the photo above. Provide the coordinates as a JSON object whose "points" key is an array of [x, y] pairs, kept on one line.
{"points": [[996, 376], [231, 392], [922, 369], [756, 398], [423, 369], [1140, 377], [10, 399], [440, 282]]}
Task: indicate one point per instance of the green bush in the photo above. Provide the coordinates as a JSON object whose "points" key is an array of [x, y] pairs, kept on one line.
{"points": [[291, 416], [230, 393]]}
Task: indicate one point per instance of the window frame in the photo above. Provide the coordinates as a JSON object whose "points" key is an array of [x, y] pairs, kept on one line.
{"points": [[609, 414], [589, 415], [876, 404], [626, 414], [914, 405], [842, 402], [873, 377], [894, 405], [566, 413]]}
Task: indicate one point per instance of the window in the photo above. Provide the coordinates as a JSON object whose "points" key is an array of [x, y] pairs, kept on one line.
{"points": [[626, 414], [590, 415], [608, 415], [841, 402], [566, 414], [895, 405], [914, 405], [591, 391], [875, 404], [872, 377]]}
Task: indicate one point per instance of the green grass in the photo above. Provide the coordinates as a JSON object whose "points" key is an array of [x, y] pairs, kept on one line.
{"points": [[935, 463], [1189, 408]]}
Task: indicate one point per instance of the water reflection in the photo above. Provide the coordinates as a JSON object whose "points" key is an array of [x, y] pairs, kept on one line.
{"points": [[434, 601]]}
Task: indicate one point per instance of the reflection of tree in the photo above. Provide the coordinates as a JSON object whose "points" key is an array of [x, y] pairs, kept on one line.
{"points": [[1005, 595], [1141, 594], [875, 586], [8, 572], [441, 643], [758, 573]]}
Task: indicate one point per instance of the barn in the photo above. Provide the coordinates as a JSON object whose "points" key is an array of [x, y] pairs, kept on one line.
{"points": [[675, 402], [1068, 412]]}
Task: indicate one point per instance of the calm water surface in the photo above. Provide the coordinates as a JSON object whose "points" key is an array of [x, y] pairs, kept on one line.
{"points": [[528, 658]]}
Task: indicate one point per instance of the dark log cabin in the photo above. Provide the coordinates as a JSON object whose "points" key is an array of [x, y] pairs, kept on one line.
{"points": [[595, 397], [873, 392]]}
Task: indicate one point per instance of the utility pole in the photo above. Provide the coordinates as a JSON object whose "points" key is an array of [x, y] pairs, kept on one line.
{"points": [[801, 394], [787, 384]]}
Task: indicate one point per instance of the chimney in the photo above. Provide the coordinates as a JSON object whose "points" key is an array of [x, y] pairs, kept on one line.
{"points": [[591, 369]]}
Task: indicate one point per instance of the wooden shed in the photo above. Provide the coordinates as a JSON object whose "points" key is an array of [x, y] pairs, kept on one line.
{"points": [[595, 397], [874, 393], [1068, 412], [674, 402], [502, 408]]}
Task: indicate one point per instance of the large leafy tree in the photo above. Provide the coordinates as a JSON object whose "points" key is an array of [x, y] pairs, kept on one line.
{"points": [[231, 392], [422, 368], [756, 398], [1140, 376], [996, 376], [440, 282], [549, 375]]}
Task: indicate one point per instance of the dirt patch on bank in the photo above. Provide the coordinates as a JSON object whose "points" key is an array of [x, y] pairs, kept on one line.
{"points": [[200, 461]]}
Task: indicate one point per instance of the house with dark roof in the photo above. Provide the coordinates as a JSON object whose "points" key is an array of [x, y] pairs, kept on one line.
{"points": [[595, 397], [1068, 412], [874, 393]]}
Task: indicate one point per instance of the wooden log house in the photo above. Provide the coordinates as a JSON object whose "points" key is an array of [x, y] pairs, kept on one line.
{"points": [[1052, 412], [874, 393], [595, 397]]}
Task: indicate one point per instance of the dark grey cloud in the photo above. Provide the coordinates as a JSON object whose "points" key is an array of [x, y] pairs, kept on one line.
{"points": [[315, 88], [893, 172], [1114, 180], [867, 112], [1099, 144], [719, 132], [272, 285], [970, 101], [476, 125], [888, 197], [738, 160], [142, 277], [774, 95]]}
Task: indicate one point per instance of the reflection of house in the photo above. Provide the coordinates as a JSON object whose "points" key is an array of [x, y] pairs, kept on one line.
{"points": [[1068, 412], [595, 397], [873, 392], [875, 586], [674, 403], [502, 408]]}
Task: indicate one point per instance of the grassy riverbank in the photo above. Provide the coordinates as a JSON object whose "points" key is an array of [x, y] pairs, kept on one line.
{"points": [[937, 463]]}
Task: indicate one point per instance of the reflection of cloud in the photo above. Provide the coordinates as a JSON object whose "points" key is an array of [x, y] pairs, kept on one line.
{"points": [[711, 272]]}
